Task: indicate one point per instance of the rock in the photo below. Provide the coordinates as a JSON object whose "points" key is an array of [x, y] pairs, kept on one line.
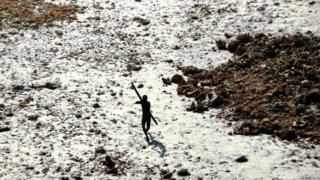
{"points": [[141, 20], [140, 86], [2, 106], [178, 79], [17, 87], [96, 105], [133, 67], [183, 172], [59, 33], [221, 44], [165, 174], [9, 114], [166, 81], [241, 159], [261, 8], [52, 86], [33, 117], [38, 125], [78, 115], [4, 129], [76, 175], [312, 3], [228, 35], [100, 150], [170, 61]]}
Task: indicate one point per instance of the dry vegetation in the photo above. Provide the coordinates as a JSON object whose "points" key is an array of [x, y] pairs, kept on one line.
{"points": [[33, 13], [272, 85]]}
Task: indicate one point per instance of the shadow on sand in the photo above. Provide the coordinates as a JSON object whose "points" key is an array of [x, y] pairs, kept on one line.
{"points": [[157, 146]]}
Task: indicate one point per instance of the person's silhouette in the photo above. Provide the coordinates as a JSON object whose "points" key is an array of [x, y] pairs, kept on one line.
{"points": [[146, 115]]}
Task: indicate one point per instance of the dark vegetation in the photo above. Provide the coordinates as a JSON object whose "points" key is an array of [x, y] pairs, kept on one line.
{"points": [[271, 85]]}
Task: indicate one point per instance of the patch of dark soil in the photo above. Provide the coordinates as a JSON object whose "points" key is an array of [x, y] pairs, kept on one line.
{"points": [[22, 14], [271, 85]]}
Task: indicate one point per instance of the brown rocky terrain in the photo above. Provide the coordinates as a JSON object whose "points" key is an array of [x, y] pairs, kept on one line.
{"points": [[271, 85]]}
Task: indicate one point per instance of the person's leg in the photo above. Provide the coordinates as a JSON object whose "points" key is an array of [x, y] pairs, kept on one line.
{"points": [[144, 129], [148, 124]]}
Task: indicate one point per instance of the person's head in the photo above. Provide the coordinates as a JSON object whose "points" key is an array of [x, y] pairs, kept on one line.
{"points": [[144, 97]]}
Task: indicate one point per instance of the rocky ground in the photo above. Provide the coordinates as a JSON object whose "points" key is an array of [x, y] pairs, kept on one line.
{"points": [[67, 108]]}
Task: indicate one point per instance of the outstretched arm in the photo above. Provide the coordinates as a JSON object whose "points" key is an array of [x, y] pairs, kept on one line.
{"points": [[138, 102]]}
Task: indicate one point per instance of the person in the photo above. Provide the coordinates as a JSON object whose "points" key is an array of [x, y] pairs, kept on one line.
{"points": [[146, 115]]}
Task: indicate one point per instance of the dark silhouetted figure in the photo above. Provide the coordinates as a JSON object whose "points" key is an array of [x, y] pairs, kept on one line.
{"points": [[146, 115]]}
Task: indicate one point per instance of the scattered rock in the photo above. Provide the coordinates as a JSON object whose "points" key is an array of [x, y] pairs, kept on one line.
{"points": [[78, 115], [96, 105], [242, 159], [100, 150], [166, 81], [183, 172], [17, 87], [4, 129], [59, 33], [170, 61], [133, 66], [312, 3], [165, 174], [141, 20], [33, 117], [228, 35], [52, 86], [76, 175]]}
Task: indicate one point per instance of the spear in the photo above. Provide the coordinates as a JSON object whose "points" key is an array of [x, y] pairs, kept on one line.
{"points": [[135, 89]]}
